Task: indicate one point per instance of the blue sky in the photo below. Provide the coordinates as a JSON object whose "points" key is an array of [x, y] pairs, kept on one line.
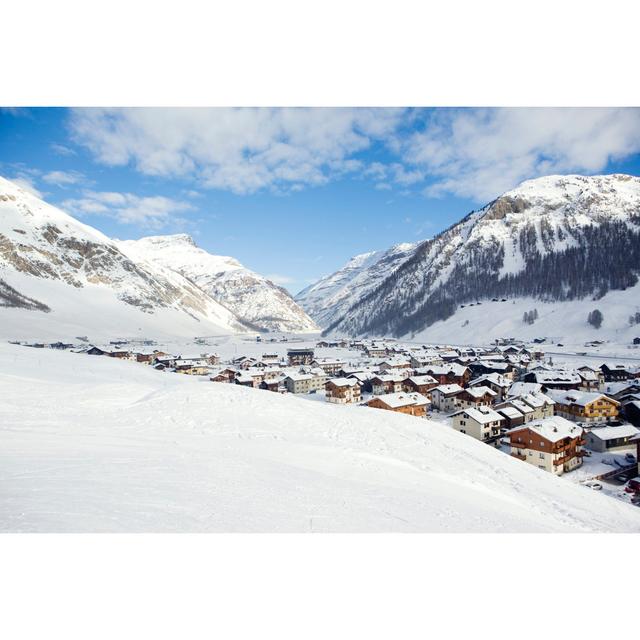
{"points": [[294, 193]]}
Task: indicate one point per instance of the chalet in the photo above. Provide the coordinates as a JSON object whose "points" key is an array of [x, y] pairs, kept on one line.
{"points": [[95, 351], [376, 351], [413, 404], [591, 379], [304, 382], [140, 356], [245, 380], [476, 397], [632, 412], [584, 406], [120, 354], [192, 367], [543, 406], [270, 358], [425, 359], [618, 372], [447, 374], [300, 356], [244, 362], [512, 417], [394, 364], [60, 345], [611, 438], [328, 365], [553, 444], [481, 423], [527, 412], [224, 375], [364, 379], [489, 365], [445, 397], [343, 390], [564, 380], [496, 382], [254, 377], [622, 390], [381, 384], [273, 385], [420, 384]]}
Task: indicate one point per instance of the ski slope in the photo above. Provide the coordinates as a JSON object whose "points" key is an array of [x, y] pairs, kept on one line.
{"points": [[89, 444]]}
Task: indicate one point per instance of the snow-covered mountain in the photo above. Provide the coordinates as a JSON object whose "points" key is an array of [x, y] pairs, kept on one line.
{"points": [[558, 241], [330, 297], [249, 295], [61, 278]]}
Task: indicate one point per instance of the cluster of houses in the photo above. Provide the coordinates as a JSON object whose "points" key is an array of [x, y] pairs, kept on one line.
{"points": [[504, 395]]}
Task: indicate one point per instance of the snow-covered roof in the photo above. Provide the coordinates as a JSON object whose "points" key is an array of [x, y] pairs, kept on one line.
{"points": [[522, 388], [521, 406], [580, 398], [479, 392], [396, 400], [448, 389], [494, 378], [483, 415], [343, 382], [611, 432], [419, 380], [563, 377], [511, 412], [553, 429], [443, 370]]}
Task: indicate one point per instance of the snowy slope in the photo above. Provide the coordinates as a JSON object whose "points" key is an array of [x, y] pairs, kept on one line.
{"points": [[557, 239], [93, 444], [59, 277], [330, 298], [249, 295]]}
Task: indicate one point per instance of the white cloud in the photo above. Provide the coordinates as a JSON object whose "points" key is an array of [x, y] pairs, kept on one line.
{"points": [[280, 279], [480, 153], [62, 150], [148, 211], [28, 185], [241, 150], [62, 178]]}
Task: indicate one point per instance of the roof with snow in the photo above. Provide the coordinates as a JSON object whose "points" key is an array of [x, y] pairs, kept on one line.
{"points": [[553, 429], [611, 432], [483, 415], [479, 392], [396, 400], [448, 389], [580, 398], [343, 382]]}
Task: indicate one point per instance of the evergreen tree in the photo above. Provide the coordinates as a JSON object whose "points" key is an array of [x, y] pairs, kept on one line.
{"points": [[595, 318]]}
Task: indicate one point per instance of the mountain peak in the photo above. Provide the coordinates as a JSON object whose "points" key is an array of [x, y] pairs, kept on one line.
{"points": [[170, 239]]}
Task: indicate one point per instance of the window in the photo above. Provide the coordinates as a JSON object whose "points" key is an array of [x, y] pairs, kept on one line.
{"points": [[542, 456]]}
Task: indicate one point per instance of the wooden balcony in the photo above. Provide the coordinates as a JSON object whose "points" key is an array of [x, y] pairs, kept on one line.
{"points": [[519, 456]]}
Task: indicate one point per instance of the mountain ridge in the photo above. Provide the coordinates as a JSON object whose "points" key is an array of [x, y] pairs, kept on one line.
{"points": [[556, 238]]}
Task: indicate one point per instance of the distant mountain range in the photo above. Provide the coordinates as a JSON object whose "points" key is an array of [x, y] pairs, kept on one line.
{"points": [[250, 296], [557, 240], [60, 277]]}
